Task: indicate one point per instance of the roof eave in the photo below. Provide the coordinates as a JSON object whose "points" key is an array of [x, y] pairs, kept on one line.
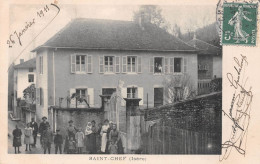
{"points": [[116, 49]]}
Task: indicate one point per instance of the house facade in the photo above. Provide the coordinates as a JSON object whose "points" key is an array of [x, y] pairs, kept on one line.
{"points": [[209, 64], [24, 76], [90, 57]]}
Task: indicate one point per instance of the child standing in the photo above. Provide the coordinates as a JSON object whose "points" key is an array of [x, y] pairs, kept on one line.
{"points": [[47, 138], [28, 137], [80, 140], [17, 133], [71, 146], [58, 141], [112, 147]]}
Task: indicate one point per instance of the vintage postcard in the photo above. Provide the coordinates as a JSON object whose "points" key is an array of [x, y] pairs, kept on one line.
{"points": [[130, 82]]}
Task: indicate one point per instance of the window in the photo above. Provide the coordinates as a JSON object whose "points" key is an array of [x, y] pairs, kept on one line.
{"points": [[177, 64], [131, 64], [30, 78], [30, 69], [158, 64], [132, 92], [82, 93], [108, 91], [109, 67], [41, 65], [80, 63]]}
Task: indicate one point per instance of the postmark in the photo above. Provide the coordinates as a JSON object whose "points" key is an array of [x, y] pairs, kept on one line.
{"points": [[239, 24]]}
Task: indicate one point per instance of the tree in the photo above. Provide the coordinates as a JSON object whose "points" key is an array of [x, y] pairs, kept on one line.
{"points": [[152, 14], [29, 94], [178, 88]]}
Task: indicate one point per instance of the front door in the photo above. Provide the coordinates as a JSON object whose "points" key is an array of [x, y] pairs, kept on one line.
{"points": [[158, 96]]}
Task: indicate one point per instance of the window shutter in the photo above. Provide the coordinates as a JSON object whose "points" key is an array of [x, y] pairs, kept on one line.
{"points": [[101, 64], [89, 64], [171, 65], [185, 65], [38, 96], [117, 64], [124, 64], [41, 96], [73, 63], [91, 96], [166, 64], [139, 64], [140, 92], [151, 65], [72, 101], [123, 95]]}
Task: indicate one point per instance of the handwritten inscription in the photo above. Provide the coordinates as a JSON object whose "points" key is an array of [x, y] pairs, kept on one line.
{"points": [[239, 111], [17, 35]]}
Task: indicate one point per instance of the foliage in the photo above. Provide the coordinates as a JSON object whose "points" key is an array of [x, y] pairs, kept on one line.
{"points": [[29, 93], [178, 88], [152, 14]]}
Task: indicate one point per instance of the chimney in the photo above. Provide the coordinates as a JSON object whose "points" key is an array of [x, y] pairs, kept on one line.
{"points": [[21, 61], [141, 20]]}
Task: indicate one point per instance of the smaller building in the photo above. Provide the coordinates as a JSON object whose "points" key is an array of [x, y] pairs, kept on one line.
{"points": [[209, 64], [24, 77]]}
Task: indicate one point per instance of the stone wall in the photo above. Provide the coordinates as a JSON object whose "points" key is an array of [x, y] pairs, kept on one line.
{"points": [[199, 114]]}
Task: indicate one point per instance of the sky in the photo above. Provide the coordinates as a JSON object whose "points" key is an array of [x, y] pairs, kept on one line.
{"points": [[186, 17]]}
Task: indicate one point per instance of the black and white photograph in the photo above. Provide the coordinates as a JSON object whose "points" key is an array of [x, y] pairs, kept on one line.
{"points": [[114, 79]]}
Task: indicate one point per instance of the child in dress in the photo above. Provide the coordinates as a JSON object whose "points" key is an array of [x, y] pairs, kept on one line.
{"points": [[112, 147], [79, 140], [71, 146]]}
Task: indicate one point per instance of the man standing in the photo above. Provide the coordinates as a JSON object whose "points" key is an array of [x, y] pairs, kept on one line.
{"points": [[34, 126], [43, 127]]}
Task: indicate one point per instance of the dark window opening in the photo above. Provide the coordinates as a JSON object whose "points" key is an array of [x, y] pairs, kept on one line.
{"points": [[177, 64], [158, 65]]}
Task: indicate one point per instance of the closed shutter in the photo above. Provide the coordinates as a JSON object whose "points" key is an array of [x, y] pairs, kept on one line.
{"points": [[166, 64], [101, 64], [139, 64], [123, 95], [185, 65], [171, 65], [38, 96], [124, 64], [117, 64], [73, 63], [91, 96], [41, 96], [140, 92], [72, 100], [151, 66], [89, 64]]}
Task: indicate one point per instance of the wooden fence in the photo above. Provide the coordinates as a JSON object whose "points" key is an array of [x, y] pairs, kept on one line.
{"points": [[171, 140]]}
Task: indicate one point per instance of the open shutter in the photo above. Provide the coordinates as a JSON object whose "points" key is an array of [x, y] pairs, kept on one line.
{"points": [[166, 65], [139, 64], [171, 65], [101, 64], [185, 65], [140, 92], [73, 100], [73, 63], [117, 64], [123, 95], [151, 66], [89, 64], [91, 96], [124, 64]]}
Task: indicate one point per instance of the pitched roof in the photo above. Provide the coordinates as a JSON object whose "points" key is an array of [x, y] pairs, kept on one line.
{"points": [[84, 33], [204, 47], [27, 64]]}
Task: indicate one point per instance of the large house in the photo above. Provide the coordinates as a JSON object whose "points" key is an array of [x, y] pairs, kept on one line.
{"points": [[24, 76], [91, 57]]}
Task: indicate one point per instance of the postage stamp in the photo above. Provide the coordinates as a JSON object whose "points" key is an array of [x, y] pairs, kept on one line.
{"points": [[239, 24]]}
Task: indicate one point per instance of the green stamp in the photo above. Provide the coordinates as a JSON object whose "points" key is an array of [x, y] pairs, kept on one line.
{"points": [[239, 24]]}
